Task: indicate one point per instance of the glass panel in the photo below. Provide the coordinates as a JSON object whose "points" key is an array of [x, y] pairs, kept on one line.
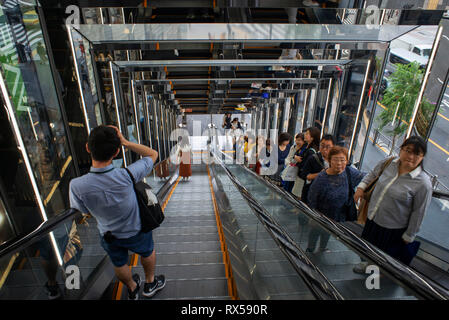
{"points": [[336, 261], [272, 275], [30, 83], [24, 275], [435, 223], [82, 50], [436, 162], [241, 32]]}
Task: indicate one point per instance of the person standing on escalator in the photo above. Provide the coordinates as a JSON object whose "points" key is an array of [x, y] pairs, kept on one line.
{"points": [[108, 195]]}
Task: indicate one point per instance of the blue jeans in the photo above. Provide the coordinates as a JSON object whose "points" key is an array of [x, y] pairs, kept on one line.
{"points": [[141, 243]]}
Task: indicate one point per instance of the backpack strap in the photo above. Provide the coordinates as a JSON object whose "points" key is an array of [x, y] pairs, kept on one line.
{"points": [[130, 174], [317, 158]]}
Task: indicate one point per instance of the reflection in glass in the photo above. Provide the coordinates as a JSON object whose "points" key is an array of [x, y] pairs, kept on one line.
{"points": [[30, 83]]}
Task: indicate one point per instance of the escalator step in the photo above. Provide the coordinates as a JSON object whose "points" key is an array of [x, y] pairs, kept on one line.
{"points": [[187, 246], [163, 258], [186, 237]]}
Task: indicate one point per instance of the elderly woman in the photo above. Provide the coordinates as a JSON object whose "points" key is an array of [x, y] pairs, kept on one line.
{"points": [[330, 193], [398, 202]]}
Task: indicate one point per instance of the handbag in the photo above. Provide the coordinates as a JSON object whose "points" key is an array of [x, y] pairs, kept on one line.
{"points": [[364, 202], [350, 208], [289, 173], [151, 214]]}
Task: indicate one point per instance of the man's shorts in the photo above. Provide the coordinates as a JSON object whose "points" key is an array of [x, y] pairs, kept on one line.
{"points": [[141, 243]]}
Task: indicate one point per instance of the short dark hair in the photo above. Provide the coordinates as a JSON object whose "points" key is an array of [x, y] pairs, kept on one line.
{"points": [[329, 137], [300, 136], [284, 136], [103, 143], [419, 145], [337, 150]]}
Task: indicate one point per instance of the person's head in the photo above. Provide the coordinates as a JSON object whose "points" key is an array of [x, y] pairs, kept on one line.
{"points": [[338, 159], [284, 139], [103, 144], [299, 140], [326, 144], [235, 122], [228, 115], [412, 152], [312, 137]]}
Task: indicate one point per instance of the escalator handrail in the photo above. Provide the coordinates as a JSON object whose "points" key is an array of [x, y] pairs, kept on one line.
{"points": [[404, 274], [21, 242], [318, 283], [440, 195]]}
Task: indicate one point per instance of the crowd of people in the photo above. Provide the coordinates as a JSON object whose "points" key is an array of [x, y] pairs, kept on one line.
{"points": [[313, 168], [319, 173]]}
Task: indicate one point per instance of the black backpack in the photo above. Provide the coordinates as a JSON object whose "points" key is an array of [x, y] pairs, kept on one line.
{"points": [[151, 214]]}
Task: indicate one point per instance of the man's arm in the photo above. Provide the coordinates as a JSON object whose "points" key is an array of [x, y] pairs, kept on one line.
{"points": [[140, 149]]}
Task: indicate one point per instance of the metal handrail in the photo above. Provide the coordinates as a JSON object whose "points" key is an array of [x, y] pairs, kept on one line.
{"points": [[318, 283], [21, 242], [424, 286]]}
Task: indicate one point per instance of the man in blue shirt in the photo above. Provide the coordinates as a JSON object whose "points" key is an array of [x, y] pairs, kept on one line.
{"points": [[108, 195]]}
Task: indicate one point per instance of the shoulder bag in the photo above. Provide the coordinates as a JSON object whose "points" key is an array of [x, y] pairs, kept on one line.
{"points": [[151, 214], [364, 202]]}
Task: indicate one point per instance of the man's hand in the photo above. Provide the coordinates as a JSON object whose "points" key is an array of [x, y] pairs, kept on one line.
{"points": [[123, 141], [298, 159]]}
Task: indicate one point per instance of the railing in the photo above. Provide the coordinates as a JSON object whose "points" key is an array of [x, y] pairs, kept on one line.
{"points": [[320, 286], [425, 287], [21, 242], [434, 178]]}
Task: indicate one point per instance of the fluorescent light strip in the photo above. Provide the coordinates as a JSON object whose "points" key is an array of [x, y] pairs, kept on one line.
{"points": [[327, 106], [15, 125], [69, 28], [101, 15], [135, 111], [424, 82], [359, 109], [116, 109]]}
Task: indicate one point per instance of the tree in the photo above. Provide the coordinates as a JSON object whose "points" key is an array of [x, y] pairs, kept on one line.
{"points": [[399, 100]]}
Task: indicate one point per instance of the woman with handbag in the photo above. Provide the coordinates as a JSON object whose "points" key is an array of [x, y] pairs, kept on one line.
{"points": [[398, 202], [331, 194], [283, 149], [290, 173]]}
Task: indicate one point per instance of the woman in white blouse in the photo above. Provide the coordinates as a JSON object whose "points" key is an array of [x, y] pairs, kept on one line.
{"points": [[398, 203]]}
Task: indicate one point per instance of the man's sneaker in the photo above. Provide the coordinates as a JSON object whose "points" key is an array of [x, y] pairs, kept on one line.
{"points": [[150, 289], [308, 250], [53, 291], [135, 294], [361, 267], [324, 250]]}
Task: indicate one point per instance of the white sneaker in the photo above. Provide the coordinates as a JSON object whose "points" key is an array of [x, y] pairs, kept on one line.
{"points": [[310, 3], [361, 267]]}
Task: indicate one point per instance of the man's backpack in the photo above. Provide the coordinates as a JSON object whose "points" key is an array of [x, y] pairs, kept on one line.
{"points": [[151, 214]]}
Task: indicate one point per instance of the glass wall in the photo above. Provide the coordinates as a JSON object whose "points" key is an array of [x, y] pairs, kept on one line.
{"points": [[30, 88]]}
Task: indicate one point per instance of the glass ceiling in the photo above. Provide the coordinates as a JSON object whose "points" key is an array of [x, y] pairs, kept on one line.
{"points": [[221, 32]]}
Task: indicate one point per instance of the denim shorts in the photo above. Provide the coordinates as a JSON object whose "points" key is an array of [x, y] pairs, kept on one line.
{"points": [[141, 243]]}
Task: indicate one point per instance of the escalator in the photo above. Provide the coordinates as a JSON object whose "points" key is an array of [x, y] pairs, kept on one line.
{"points": [[344, 249], [28, 262], [227, 235]]}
